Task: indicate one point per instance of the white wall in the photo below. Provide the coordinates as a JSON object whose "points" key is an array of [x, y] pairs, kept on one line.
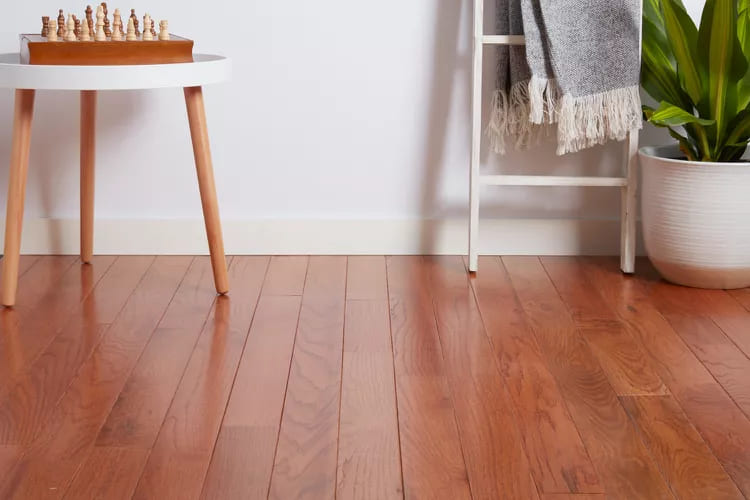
{"points": [[342, 116]]}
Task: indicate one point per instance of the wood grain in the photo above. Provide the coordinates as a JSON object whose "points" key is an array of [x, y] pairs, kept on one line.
{"points": [[305, 463], [88, 172], [695, 389], [629, 370], [49, 463], [432, 459], [369, 461], [683, 456], [742, 296], [25, 409], [286, 275], [106, 473], [557, 456], [624, 465], [139, 411], [182, 452]]}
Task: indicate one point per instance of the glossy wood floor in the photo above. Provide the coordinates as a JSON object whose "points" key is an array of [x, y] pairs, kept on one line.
{"points": [[371, 377]]}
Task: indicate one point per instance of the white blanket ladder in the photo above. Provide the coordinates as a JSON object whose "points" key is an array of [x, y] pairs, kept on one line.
{"points": [[628, 183]]}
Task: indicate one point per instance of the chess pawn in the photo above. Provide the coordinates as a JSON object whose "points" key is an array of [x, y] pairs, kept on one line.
{"points": [[131, 36], [117, 23], [52, 33], [163, 30], [90, 19], [70, 30], [85, 32], [60, 24], [77, 29], [45, 26], [147, 28], [107, 30], [135, 22], [100, 36]]}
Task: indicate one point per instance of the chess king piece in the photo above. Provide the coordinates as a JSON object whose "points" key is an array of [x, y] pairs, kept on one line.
{"points": [[107, 30], [52, 34], [163, 30], [135, 22], [117, 23], [60, 24], [100, 36], [77, 29], [70, 29], [147, 28], [85, 32], [131, 37], [90, 19], [45, 26]]}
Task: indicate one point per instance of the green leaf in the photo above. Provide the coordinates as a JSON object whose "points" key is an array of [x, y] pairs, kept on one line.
{"points": [[658, 76], [652, 12], [685, 146], [683, 39], [740, 128], [669, 115], [743, 34]]}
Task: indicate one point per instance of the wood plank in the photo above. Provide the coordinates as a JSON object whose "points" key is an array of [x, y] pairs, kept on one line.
{"points": [[629, 370], [31, 401], [139, 411], [305, 463], [493, 449], [573, 496], [103, 472], [369, 461], [683, 456], [695, 389], [366, 278], [23, 341], [624, 465], [181, 454], [39, 280], [286, 275], [243, 459], [742, 296], [431, 455], [49, 463], [9, 454], [557, 456], [25, 263]]}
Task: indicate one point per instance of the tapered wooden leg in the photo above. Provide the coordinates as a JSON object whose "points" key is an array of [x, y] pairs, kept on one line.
{"points": [[19, 166], [88, 159], [201, 149]]}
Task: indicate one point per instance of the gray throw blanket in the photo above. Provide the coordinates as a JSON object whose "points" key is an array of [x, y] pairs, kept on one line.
{"points": [[580, 68]]}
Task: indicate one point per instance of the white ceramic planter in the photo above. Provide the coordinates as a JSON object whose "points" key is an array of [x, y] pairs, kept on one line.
{"points": [[696, 219]]}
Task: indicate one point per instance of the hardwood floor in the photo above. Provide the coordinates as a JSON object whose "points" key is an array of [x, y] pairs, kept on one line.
{"points": [[371, 377]]}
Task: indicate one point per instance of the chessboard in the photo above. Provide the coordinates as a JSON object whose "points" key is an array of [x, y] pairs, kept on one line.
{"points": [[91, 41]]}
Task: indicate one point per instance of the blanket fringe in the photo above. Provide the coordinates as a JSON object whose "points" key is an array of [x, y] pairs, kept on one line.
{"points": [[590, 120], [544, 98], [510, 118]]}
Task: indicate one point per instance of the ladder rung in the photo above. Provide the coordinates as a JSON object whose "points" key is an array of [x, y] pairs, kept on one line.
{"points": [[547, 180], [504, 40]]}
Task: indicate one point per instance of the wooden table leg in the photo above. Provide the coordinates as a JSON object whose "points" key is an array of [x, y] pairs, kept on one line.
{"points": [[19, 166], [88, 157], [202, 151]]}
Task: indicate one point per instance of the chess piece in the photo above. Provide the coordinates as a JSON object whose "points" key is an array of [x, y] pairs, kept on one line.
{"points": [[107, 30], [135, 22], [85, 32], [147, 28], [90, 19], [70, 30], [45, 26], [100, 36], [117, 23], [153, 29], [52, 34], [163, 30], [131, 36], [77, 29], [60, 24]]}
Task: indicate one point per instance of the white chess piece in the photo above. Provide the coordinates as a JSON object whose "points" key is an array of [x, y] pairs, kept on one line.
{"points": [[147, 28], [52, 31], [130, 37], [85, 34], [100, 36], [117, 31], [70, 29], [163, 30]]}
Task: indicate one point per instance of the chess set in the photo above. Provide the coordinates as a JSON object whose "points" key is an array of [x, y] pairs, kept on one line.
{"points": [[94, 41]]}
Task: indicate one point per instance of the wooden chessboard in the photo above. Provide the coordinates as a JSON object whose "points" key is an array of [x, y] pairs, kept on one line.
{"points": [[35, 49]]}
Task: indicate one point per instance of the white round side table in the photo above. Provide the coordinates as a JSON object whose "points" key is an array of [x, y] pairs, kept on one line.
{"points": [[27, 79]]}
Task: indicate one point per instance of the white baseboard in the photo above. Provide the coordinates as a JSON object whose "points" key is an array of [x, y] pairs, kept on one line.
{"points": [[329, 237]]}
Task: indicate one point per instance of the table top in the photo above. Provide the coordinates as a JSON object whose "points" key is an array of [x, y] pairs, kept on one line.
{"points": [[205, 69]]}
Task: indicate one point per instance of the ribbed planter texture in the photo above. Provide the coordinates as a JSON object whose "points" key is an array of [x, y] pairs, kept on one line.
{"points": [[696, 219]]}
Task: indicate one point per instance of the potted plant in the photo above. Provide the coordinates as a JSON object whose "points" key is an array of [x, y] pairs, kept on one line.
{"points": [[696, 194]]}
